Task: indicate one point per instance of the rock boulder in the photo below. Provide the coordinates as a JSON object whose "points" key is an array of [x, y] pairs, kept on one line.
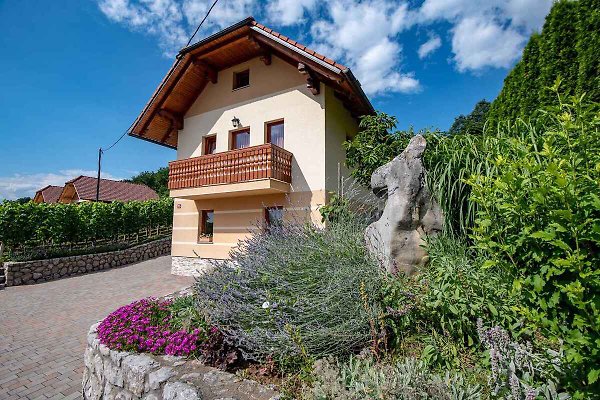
{"points": [[410, 213]]}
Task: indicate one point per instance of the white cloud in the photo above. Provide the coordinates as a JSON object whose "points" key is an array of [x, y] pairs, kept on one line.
{"points": [[160, 18], [289, 12], [478, 43], [429, 46], [225, 13], [25, 185], [486, 34], [363, 34]]}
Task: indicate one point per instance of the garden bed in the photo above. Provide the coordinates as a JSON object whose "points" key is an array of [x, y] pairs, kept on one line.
{"points": [[120, 374]]}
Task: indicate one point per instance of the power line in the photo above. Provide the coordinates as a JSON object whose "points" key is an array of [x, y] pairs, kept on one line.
{"points": [[188, 43], [201, 22], [101, 150]]}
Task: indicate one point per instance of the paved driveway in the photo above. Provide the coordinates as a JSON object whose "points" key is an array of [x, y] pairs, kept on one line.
{"points": [[43, 327]]}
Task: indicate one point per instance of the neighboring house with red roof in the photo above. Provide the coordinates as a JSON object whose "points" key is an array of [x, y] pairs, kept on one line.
{"points": [[48, 194], [83, 188], [258, 121]]}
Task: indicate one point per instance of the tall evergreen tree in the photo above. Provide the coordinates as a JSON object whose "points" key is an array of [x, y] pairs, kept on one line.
{"points": [[567, 48]]}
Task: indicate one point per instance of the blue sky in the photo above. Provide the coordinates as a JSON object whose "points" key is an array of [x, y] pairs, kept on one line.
{"points": [[75, 73]]}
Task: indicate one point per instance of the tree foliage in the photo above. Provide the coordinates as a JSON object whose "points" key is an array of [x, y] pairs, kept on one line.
{"points": [[376, 143], [473, 123], [566, 48], [157, 180]]}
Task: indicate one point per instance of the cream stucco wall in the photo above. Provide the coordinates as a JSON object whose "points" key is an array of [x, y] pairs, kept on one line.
{"points": [[234, 219], [276, 91], [339, 125]]}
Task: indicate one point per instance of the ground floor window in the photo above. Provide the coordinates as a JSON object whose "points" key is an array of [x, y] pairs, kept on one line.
{"points": [[274, 216], [205, 233]]}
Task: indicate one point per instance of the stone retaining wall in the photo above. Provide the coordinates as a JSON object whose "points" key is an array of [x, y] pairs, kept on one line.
{"points": [[111, 374], [29, 272]]}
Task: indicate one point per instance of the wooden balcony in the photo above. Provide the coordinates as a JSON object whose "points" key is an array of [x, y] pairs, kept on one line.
{"points": [[256, 169]]}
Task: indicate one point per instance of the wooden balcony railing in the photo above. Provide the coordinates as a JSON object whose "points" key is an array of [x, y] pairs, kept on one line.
{"points": [[250, 163]]}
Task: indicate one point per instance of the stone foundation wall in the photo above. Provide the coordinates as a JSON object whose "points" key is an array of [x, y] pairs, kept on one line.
{"points": [[29, 272], [111, 374], [190, 266]]}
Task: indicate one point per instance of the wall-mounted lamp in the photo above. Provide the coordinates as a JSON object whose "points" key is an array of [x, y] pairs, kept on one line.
{"points": [[236, 122]]}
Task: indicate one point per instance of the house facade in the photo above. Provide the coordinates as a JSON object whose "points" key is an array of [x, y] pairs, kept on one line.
{"points": [[258, 122]]}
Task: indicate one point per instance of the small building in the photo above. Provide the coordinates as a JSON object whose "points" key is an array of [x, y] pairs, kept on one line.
{"points": [[258, 121], [83, 188], [48, 194]]}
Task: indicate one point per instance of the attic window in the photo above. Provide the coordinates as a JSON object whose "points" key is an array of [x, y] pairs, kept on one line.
{"points": [[241, 79]]}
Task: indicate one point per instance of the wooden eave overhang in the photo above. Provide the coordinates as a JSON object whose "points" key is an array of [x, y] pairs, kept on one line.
{"points": [[197, 66]]}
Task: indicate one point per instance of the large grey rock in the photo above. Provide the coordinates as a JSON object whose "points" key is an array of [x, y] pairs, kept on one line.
{"points": [[410, 212], [180, 391]]}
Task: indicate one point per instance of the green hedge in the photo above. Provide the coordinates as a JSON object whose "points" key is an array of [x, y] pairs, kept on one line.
{"points": [[31, 223]]}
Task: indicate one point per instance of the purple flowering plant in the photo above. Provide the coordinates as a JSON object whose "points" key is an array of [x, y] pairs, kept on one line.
{"points": [[147, 326]]}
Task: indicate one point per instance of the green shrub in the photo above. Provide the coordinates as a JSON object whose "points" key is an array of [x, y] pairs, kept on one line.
{"points": [[438, 308], [185, 315], [409, 379], [449, 161], [539, 216], [295, 292]]}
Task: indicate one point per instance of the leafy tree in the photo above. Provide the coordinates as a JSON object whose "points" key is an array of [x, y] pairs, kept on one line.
{"points": [[375, 144], [23, 200], [157, 180], [472, 123]]}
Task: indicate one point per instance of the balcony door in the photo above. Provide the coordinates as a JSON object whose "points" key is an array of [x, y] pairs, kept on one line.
{"points": [[275, 133], [240, 139]]}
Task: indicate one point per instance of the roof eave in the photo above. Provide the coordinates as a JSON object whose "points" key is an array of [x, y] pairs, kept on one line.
{"points": [[229, 29], [151, 140], [356, 85]]}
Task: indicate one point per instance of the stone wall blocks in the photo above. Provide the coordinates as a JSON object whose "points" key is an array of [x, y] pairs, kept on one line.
{"points": [[180, 391], [135, 368], [156, 378]]}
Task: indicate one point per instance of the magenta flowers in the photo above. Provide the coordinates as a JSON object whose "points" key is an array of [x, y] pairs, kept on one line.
{"points": [[143, 326]]}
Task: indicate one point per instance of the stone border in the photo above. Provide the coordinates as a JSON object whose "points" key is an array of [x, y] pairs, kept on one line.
{"points": [[190, 266], [30, 272], [111, 374]]}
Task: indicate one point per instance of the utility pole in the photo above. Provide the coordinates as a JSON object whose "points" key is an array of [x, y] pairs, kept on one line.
{"points": [[98, 181]]}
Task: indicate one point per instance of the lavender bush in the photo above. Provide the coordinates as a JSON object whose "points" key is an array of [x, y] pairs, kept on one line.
{"points": [[144, 326], [517, 372], [297, 290]]}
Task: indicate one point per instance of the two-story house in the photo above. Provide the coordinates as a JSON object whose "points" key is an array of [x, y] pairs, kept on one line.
{"points": [[258, 121]]}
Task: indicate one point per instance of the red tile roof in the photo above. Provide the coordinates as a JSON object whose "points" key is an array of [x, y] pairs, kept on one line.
{"points": [[50, 193], [111, 190], [299, 46]]}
